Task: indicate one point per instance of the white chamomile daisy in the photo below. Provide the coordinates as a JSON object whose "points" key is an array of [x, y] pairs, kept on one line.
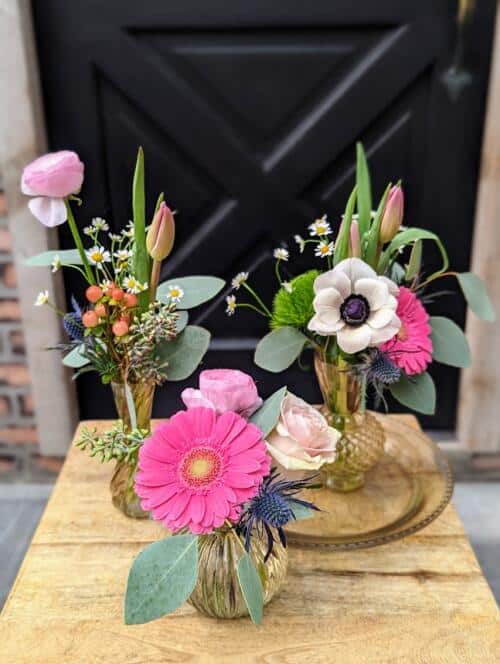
{"points": [[239, 279], [56, 263], [114, 237], [324, 249], [231, 305], [320, 227], [131, 285], [175, 293], [301, 243], [281, 254], [129, 231], [98, 256], [287, 286], [100, 224], [88, 230], [123, 255], [42, 298]]}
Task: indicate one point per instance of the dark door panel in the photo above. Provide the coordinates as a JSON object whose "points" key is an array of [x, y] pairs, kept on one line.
{"points": [[249, 114]]}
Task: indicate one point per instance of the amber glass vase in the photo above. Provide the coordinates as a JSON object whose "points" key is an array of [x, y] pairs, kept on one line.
{"points": [[122, 483], [362, 442], [217, 592]]}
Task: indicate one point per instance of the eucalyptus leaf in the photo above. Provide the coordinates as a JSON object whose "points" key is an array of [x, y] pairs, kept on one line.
{"points": [[251, 588], [476, 295], [449, 345], [182, 321], [409, 236], [364, 195], [75, 358], [185, 352], [416, 392], [66, 256], [141, 258], [341, 250], [196, 290], [268, 414], [279, 349], [161, 578], [130, 406], [302, 512]]}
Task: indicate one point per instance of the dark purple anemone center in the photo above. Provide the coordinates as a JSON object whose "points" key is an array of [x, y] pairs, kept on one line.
{"points": [[355, 310]]}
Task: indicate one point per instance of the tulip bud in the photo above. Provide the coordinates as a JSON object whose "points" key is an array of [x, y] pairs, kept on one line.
{"points": [[161, 234], [354, 241], [393, 215]]}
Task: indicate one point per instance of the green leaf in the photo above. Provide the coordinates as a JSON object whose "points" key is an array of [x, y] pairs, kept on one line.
{"points": [[342, 244], [182, 321], [302, 512], [371, 246], [409, 236], [159, 201], [141, 260], [185, 352], [251, 588], [279, 349], [268, 414], [196, 290], [161, 578], [130, 406], [476, 295], [449, 345], [75, 359], [413, 267], [67, 257], [416, 392], [364, 202]]}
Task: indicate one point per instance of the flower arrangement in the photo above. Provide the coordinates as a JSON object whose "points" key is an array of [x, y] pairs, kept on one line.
{"points": [[363, 312], [132, 330], [206, 475]]}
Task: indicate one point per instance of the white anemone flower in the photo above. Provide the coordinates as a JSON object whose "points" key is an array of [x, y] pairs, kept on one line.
{"points": [[355, 304]]}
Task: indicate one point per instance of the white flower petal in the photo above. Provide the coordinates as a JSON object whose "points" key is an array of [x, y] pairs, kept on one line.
{"points": [[317, 325], [355, 268], [329, 318], [354, 339], [49, 211], [292, 462], [375, 291], [391, 285], [387, 332], [328, 298], [333, 279], [380, 318]]}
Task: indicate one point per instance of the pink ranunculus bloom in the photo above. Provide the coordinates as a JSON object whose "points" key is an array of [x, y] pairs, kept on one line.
{"points": [[411, 348], [198, 468], [302, 439], [51, 178], [223, 390]]}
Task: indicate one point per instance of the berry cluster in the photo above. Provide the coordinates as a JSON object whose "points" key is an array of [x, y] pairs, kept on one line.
{"points": [[112, 307]]}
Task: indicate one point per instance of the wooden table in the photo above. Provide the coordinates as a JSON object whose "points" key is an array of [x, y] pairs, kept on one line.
{"points": [[422, 599]]}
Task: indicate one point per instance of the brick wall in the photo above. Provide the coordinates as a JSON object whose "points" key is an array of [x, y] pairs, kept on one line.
{"points": [[19, 457]]}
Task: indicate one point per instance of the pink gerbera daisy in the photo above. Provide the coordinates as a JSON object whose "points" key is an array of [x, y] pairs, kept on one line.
{"points": [[411, 348], [197, 469]]}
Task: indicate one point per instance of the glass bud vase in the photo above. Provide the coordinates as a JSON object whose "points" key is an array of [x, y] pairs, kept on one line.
{"points": [[217, 592], [122, 483], [362, 441]]}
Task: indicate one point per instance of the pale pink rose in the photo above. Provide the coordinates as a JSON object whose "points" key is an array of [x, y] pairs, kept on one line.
{"points": [[223, 390], [52, 178], [302, 439]]}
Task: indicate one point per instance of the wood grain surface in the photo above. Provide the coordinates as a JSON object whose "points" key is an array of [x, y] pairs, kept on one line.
{"points": [[422, 599]]}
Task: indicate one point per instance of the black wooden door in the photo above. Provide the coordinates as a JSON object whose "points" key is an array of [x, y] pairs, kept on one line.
{"points": [[248, 113]]}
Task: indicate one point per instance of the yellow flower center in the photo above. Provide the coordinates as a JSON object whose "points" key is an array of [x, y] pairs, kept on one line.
{"points": [[200, 467], [96, 256]]}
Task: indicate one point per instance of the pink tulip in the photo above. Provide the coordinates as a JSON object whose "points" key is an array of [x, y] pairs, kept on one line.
{"points": [[51, 178], [393, 215], [354, 241], [224, 390], [161, 234]]}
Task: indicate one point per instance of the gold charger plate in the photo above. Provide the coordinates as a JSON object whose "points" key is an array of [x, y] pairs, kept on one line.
{"points": [[409, 488]]}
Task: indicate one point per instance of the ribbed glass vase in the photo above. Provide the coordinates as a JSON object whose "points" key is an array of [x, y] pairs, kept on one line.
{"points": [[217, 592], [122, 483], [362, 443]]}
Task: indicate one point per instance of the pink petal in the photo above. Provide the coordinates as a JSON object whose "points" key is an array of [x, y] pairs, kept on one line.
{"points": [[194, 399], [238, 480], [49, 211], [197, 508]]}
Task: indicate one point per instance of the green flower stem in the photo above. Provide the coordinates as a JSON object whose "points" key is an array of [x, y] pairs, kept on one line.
{"points": [[257, 298], [435, 276], [277, 270], [246, 305], [78, 242]]}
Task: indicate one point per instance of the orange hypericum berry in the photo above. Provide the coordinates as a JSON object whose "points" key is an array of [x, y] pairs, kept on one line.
{"points": [[120, 328], [130, 300], [117, 294], [90, 319], [100, 309], [93, 293]]}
